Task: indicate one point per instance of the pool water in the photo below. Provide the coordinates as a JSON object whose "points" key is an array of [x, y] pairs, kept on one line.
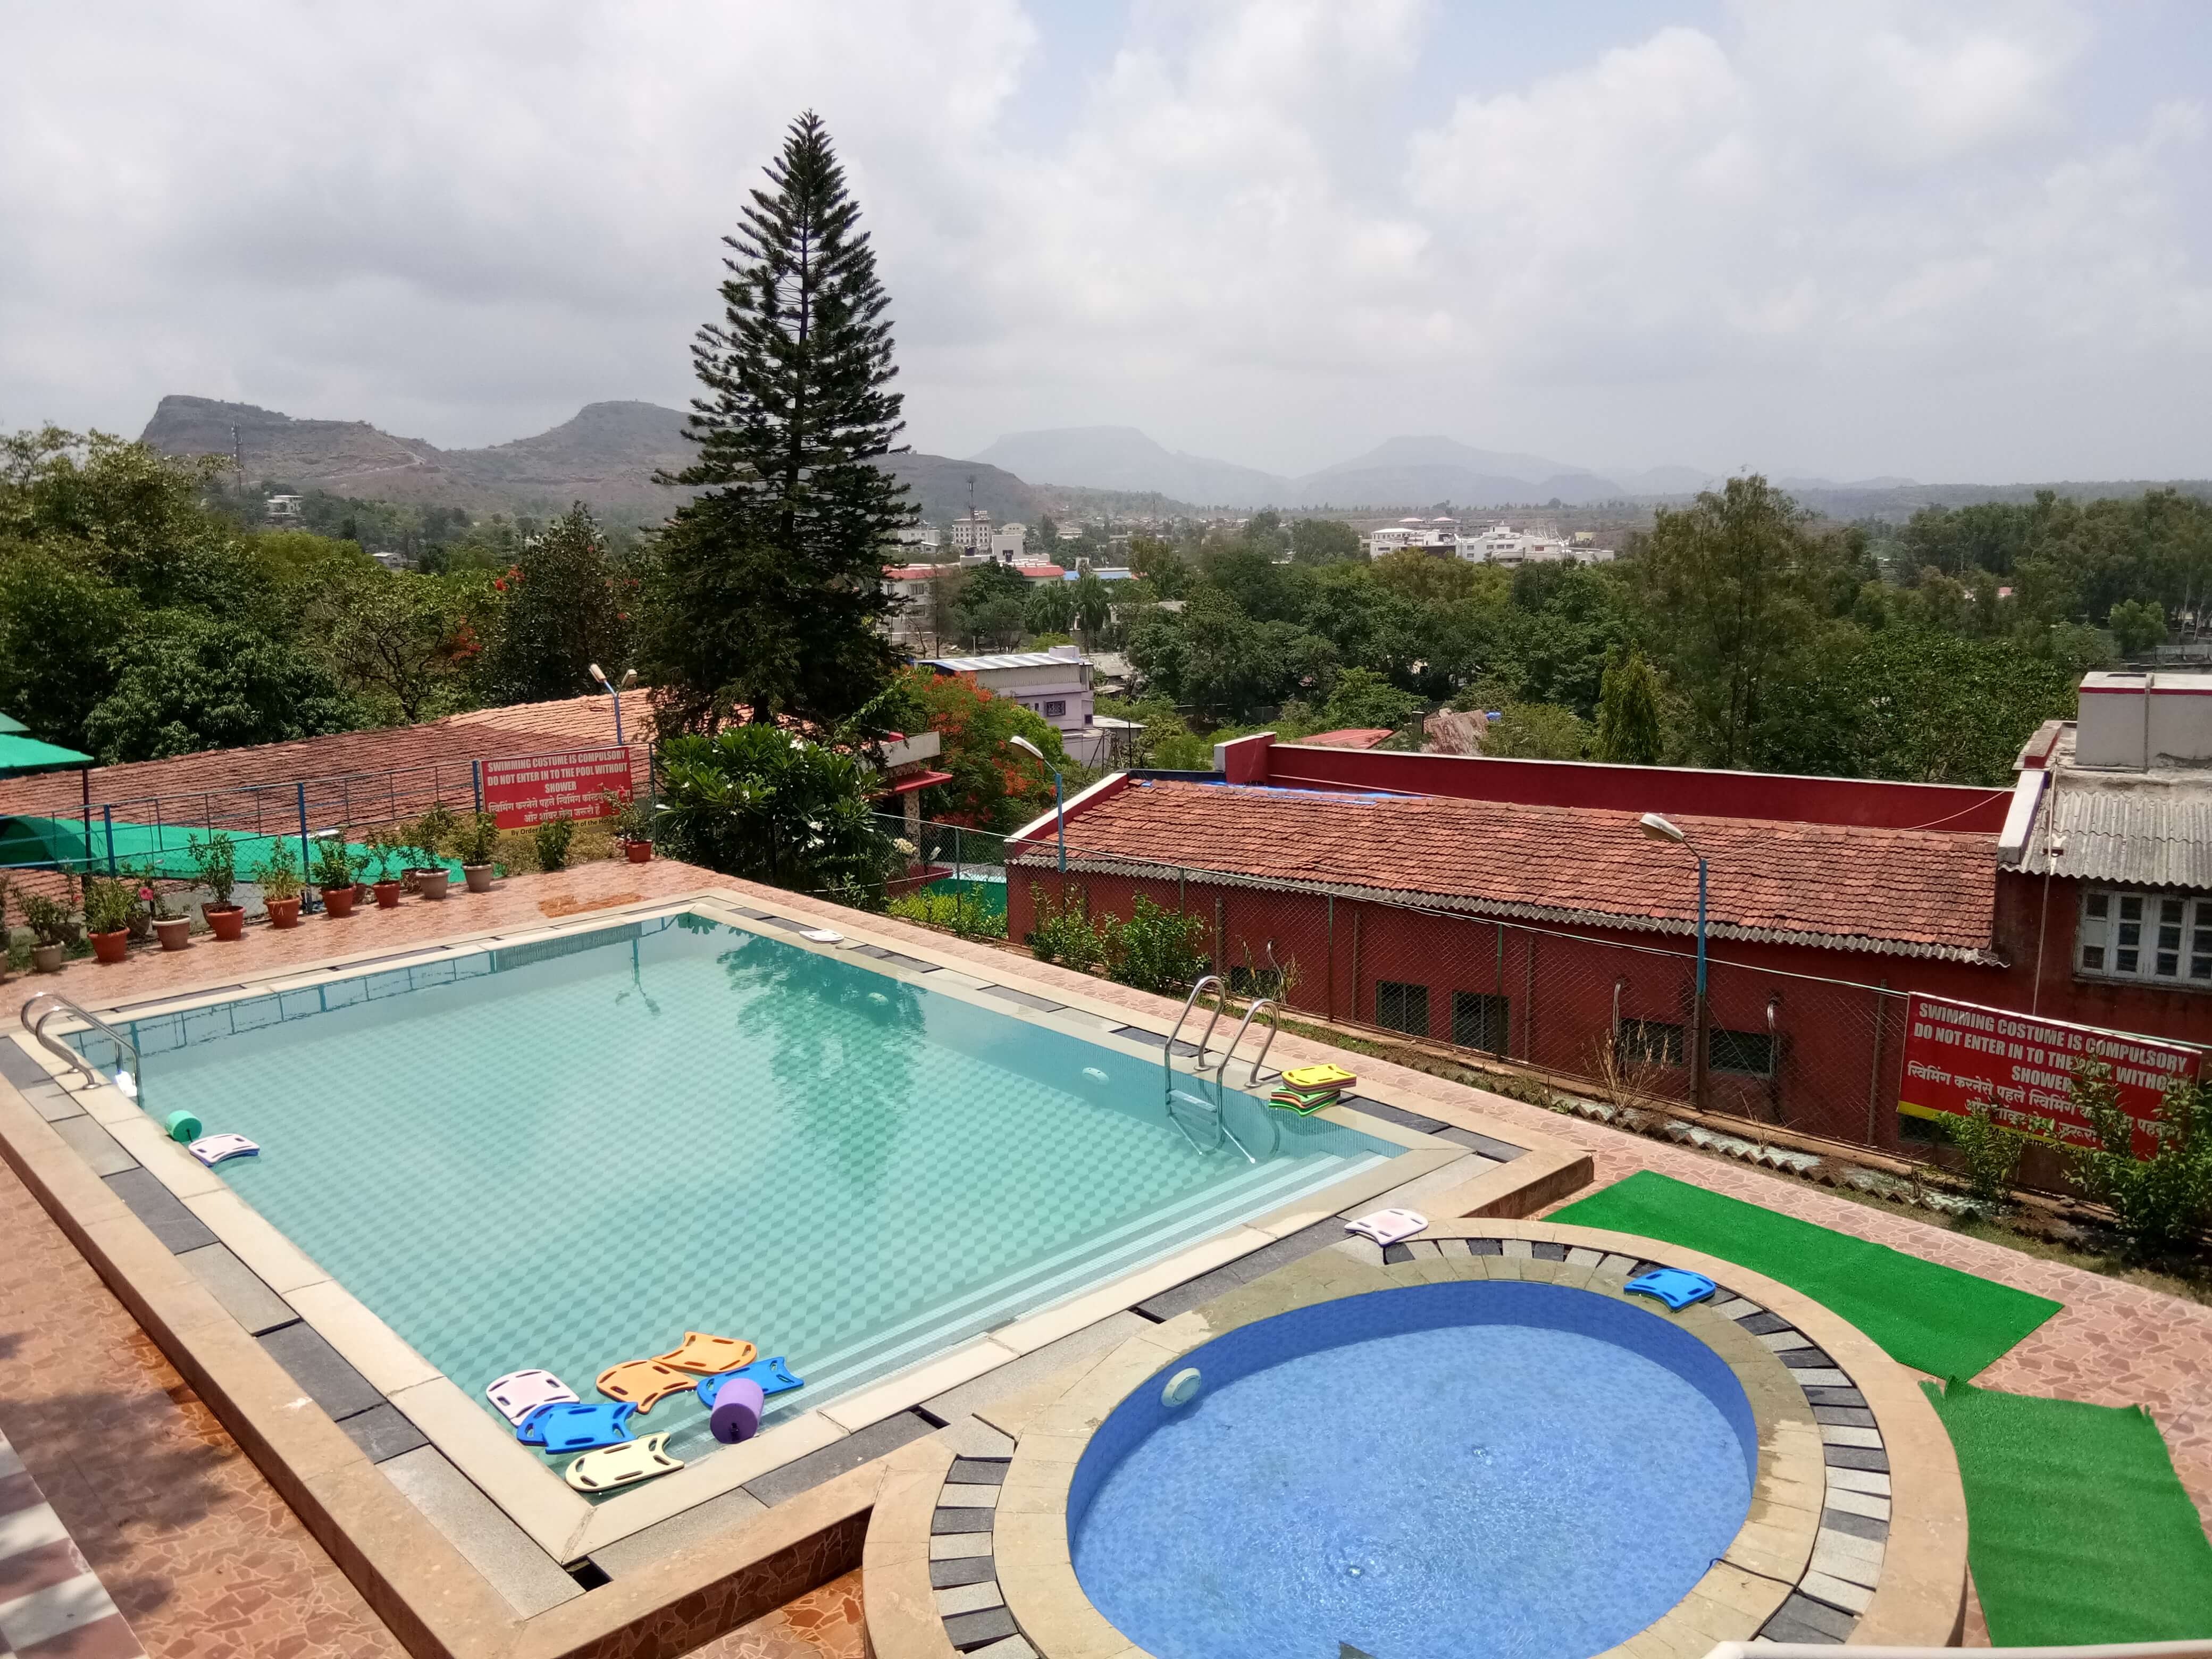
{"points": [[1463, 1470], [567, 1153]]}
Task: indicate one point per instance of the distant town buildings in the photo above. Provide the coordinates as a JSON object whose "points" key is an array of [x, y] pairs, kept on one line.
{"points": [[1501, 544], [1055, 684], [286, 509]]}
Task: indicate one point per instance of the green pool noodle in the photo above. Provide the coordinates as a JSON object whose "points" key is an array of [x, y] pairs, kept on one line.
{"points": [[182, 1127]]}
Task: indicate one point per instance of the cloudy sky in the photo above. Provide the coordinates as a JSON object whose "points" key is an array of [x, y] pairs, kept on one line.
{"points": [[1951, 242]]}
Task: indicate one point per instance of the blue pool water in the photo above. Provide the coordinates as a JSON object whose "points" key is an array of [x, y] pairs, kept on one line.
{"points": [[1441, 1472], [567, 1153]]}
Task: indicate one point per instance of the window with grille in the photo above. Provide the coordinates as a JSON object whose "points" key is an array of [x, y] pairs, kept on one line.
{"points": [[1401, 1007], [1479, 1021], [1650, 1042], [1055, 708], [2162, 937], [1748, 1052]]}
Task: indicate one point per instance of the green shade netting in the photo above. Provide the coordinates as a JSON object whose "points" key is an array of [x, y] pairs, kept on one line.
{"points": [[1933, 1318], [2077, 1529], [62, 843], [990, 895]]}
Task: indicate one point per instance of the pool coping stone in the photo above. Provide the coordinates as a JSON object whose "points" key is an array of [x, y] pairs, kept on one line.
{"points": [[412, 1574]]}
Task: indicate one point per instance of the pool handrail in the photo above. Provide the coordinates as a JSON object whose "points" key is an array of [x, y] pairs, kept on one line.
{"points": [[2192, 1649], [1274, 1025], [1220, 1003], [63, 1052]]}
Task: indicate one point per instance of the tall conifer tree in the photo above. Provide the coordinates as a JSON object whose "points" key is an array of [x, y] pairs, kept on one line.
{"points": [[768, 590]]}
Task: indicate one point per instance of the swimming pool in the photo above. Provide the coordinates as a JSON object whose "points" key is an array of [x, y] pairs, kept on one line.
{"points": [[1469, 1468], [566, 1152]]}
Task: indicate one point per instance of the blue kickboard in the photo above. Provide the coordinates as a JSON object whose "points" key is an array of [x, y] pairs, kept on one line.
{"points": [[1677, 1287], [570, 1426], [774, 1376]]}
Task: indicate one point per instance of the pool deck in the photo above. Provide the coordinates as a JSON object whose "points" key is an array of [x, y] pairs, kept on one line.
{"points": [[202, 1555]]}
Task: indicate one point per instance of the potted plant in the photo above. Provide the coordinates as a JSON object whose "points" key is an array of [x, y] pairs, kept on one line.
{"points": [[384, 851], [49, 922], [278, 872], [171, 926], [215, 865], [108, 902], [474, 843], [140, 879], [632, 826], [430, 832], [337, 873]]}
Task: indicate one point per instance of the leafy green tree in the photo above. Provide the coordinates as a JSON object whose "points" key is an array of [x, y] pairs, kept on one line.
{"points": [[1161, 566], [1322, 541], [2138, 626], [769, 593], [993, 786], [1628, 728], [564, 608], [1051, 607], [755, 802], [1733, 585], [60, 624], [1094, 606], [1363, 698], [186, 682], [994, 607], [1537, 731], [401, 643]]}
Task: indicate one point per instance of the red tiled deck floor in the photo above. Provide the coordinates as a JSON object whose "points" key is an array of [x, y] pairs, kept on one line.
{"points": [[203, 1558]]}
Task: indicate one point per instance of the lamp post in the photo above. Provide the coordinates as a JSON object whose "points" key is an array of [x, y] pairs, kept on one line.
{"points": [[1059, 806], [628, 679], [1660, 828]]}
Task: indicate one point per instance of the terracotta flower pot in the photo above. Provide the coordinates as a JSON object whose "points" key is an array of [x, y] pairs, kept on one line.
{"points": [[228, 921], [478, 877], [283, 912], [638, 852], [339, 901], [387, 895], [175, 931], [432, 883], [47, 958], [112, 947]]}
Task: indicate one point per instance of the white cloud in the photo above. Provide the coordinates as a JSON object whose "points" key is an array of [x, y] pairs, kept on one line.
{"points": [[1871, 238]]}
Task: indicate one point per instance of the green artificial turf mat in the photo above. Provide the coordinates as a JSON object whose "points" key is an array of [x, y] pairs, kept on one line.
{"points": [[1933, 1318], [2077, 1530]]}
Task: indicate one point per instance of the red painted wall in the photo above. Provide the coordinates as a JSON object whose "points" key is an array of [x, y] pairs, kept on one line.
{"points": [[1626, 788], [1838, 1045]]}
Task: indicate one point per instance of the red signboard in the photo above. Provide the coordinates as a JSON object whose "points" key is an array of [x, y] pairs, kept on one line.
{"points": [[1959, 1053], [524, 790]]}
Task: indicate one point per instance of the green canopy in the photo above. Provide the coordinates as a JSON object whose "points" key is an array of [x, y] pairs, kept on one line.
{"points": [[20, 754], [27, 843]]}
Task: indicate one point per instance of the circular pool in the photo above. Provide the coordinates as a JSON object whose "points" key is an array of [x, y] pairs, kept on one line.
{"points": [[1471, 1467]]}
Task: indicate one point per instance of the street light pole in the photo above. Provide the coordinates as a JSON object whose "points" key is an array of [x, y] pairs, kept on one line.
{"points": [[1059, 803], [628, 679], [1660, 828]]}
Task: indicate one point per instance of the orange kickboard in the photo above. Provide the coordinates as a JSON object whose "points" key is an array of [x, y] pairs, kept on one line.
{"points": [[709, 1355], [643, 1383]]}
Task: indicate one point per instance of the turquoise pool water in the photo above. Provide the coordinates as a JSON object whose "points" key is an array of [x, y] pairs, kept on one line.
{"points": [[566, 1154]]}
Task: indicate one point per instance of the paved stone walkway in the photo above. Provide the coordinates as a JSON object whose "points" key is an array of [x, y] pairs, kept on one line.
{"points": [[53, 1605], [202, 1557]]}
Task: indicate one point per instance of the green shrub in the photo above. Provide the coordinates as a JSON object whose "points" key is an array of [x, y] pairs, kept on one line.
{"points": [[336, 864], [278, 872], [753, 801], [49, 920], [2162, 1200], [214, 866], [1992, 1153], [1064, 934], [477, 840], [553, 838], [962, 910], [108, 905], [1157, 950]]}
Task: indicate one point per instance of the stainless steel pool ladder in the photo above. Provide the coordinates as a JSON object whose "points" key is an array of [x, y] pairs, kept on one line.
{"points": [[1212, 1110], [55, 1003]]}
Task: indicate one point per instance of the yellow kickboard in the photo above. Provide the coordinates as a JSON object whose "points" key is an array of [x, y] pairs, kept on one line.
{"points": [[621, 1466], [1319, 1077]]}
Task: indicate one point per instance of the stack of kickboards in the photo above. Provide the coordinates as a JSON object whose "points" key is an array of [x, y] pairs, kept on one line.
{"points": [[1306, 1089]]}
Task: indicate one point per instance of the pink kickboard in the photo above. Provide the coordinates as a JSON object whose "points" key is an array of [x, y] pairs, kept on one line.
{"points": [[521, 1393]]}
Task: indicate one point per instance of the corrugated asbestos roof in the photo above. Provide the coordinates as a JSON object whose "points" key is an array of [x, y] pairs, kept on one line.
{"points": [[1008, 659], [1896, 892], [2139, 829]]}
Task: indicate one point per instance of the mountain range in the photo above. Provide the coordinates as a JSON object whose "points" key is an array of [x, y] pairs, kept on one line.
{"points": [[608, 454]]}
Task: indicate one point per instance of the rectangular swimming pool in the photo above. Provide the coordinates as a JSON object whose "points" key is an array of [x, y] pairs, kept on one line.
{"points": [[567, 1153]]}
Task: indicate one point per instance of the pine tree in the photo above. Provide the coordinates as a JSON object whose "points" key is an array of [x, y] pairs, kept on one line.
{"points": [[769, 594], [1628, 712]]}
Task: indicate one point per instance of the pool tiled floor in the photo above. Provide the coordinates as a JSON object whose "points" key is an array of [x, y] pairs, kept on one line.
{"points": [[203, 1558]]}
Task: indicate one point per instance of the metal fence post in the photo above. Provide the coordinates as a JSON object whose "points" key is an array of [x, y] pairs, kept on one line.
{"points": [[108, 822], [476, 777], [1874, 1077], [307, 855], [1332, 956]]}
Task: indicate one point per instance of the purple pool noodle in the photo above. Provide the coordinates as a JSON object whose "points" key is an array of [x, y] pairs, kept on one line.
{"points": [[737, 1413]]}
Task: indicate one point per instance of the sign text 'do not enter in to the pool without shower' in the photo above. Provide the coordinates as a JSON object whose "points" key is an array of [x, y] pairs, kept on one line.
{"points": [[524, 790], [1957, 1054]]}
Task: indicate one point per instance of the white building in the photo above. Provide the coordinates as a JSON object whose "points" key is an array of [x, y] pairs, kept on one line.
{"points": [[1009, 543], [971, 533], [1502, 544], [1054, 683], [287, 509], [914, 536]]}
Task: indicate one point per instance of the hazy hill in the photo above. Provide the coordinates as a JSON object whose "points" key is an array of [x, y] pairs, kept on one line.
{"points": [[606, 456], [1122, 458]]}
